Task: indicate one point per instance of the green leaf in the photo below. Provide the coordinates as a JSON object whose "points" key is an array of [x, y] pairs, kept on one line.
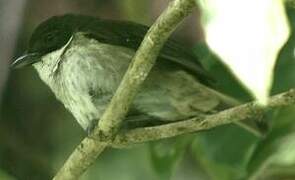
{"points": [[278, 147], [165, 154], [224, 151], [5, 176], [285, 68]]}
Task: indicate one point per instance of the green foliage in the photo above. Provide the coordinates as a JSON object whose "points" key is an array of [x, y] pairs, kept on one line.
{"points": [[5, 176], [279, 145], [224, 151], [166, 153], [285, 68]]}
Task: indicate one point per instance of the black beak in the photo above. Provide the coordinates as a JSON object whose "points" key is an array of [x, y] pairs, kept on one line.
{"points": [[25, 60]]}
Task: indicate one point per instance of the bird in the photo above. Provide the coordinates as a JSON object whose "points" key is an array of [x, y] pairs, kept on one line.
{"points": [[82, 59]]}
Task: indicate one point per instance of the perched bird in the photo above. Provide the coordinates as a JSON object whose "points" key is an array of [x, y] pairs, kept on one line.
{"points": [[83, 59]]}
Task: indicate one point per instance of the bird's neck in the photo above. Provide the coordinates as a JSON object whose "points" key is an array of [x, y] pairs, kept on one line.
{"points": [[46, 68]]}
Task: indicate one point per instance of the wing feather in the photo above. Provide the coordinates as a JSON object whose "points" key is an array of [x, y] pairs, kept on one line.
{"points": [[130, 34]]}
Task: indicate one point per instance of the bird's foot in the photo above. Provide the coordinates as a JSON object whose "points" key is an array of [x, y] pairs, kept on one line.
{"points": [[91, 126]]}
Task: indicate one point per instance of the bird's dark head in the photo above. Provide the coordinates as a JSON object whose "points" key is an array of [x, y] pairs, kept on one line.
{"points": [[49, 36]]}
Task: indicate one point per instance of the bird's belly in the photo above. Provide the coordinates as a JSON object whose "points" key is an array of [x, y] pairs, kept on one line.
{"points": [[88, 78]]}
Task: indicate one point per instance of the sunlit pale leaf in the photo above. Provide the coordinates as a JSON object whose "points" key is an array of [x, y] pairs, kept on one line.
{"points": [[247, 35]]}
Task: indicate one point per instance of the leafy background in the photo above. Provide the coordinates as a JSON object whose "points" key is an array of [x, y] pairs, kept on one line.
{"points": [[37, 133]]}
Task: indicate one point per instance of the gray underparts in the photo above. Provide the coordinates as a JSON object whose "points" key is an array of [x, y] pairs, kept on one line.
{"points": [[87, 74]]}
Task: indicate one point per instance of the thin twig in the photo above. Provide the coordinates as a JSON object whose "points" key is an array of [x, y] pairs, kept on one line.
{"points": [[89, 149], [238, 113]]}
